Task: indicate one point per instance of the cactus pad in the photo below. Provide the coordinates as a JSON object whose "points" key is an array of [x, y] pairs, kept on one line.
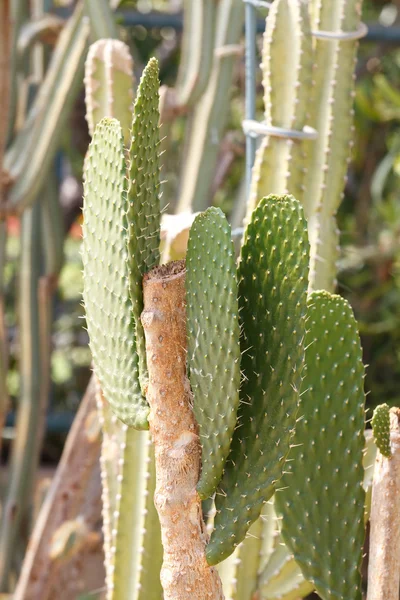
{"points": [[105, 269], [144, 215], [213, 340], [381, 427], [322, 500], [272, 304]]}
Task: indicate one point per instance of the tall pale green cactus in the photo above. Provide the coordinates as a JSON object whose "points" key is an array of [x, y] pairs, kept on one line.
{"points": [[308, 78]]}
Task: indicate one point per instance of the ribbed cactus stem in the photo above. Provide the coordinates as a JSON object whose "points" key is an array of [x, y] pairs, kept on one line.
{"points": [[185, 573], [287, 59], [332, 117], [109, 84], [384, 558]]}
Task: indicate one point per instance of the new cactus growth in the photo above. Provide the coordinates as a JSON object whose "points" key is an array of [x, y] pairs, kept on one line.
{"points": [[323, 486], [381, 427], [213, 340]]}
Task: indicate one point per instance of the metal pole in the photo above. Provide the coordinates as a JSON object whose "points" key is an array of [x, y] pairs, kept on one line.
{"points": [[250, 91]]}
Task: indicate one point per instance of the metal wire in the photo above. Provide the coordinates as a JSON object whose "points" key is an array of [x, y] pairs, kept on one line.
{"points": [[341, 36], [256, 129]]}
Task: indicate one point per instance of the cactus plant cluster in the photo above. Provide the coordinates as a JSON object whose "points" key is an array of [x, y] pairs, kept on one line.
{"points": [[274, 376], [252, 386]]}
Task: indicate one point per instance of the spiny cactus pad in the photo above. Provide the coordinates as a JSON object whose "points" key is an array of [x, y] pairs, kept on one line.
{"points": [[272, 308], [322, 500], [144, 215], [213, 340], [109, 84], [381, 427], [106, 297]]}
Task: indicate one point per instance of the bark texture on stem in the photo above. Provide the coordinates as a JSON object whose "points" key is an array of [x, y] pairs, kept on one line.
{"points": [[384, 558], [185, 573]]}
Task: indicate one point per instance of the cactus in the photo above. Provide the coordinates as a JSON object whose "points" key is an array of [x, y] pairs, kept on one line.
{"points": [[210, 114], [197, 50], [272, 292], [323, 485], [332, 117], [320, 71], [132, 539], [213, 340], [287, 74], [143, 213], [30, 156], [381, 428], [112, 340], [109, 83]]}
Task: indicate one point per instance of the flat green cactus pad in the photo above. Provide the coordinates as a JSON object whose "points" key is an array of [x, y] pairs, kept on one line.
{"points": [[322, 500], [144, 216], [272, 308], [381, 427], [213, 340], [106, 297]]}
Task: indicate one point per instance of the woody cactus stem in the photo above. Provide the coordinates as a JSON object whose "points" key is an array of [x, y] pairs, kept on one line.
{"points": [[384, 559], [185, 573]]}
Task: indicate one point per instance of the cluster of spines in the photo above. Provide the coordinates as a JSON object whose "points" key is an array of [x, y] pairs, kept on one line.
{"points": [[381, 429], [213, 340], [272, 303], [323, 486]]}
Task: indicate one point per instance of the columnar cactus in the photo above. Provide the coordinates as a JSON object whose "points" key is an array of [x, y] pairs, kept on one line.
{"points": [[308, 81]]}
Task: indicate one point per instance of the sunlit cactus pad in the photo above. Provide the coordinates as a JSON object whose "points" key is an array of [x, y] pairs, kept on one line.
{"points": [[381, 427], [272, 307], [213, 340], [322, 499], [106, 296]]}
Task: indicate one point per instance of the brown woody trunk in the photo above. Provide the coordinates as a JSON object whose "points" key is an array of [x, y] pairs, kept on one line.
{"points": [[384, 558], [185, 573]]}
